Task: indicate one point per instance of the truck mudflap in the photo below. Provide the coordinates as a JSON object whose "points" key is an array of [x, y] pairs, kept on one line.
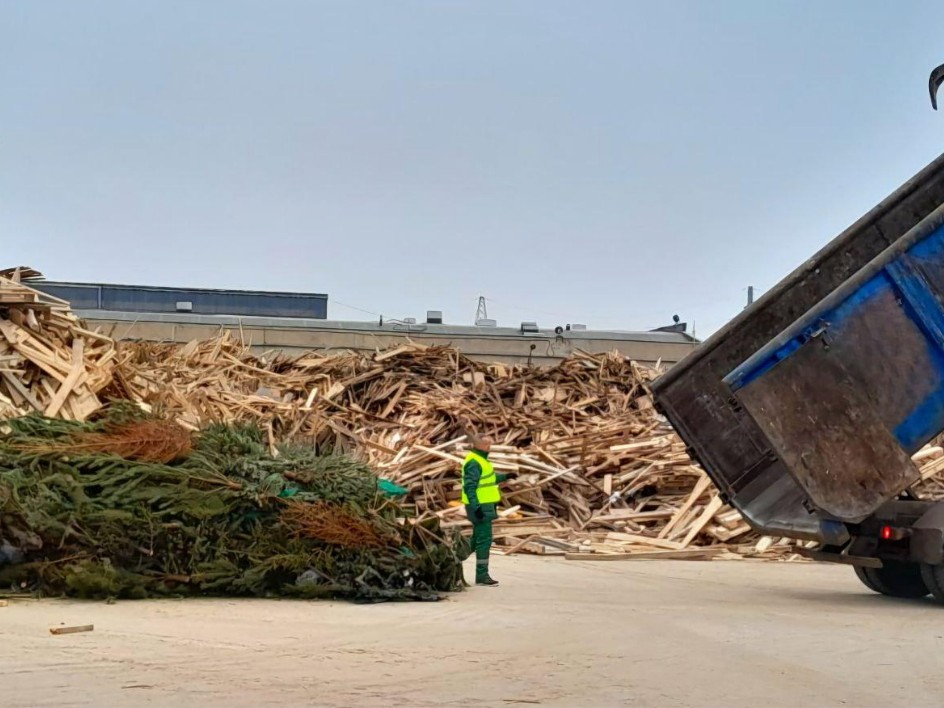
{"points": [[927, 536]]}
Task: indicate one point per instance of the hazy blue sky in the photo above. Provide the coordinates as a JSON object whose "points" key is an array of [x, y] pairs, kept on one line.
{"points": [[588, 161]]}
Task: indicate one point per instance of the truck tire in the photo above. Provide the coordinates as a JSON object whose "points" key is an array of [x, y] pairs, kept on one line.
{"points": [[896, 579], [865, 579], [934, 578]]}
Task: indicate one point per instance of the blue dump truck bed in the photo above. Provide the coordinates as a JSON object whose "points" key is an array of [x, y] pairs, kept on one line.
{"points": [[803, 409], [850, 390]]}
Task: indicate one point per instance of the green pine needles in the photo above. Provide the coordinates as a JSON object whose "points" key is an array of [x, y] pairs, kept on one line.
{"points": [[86, 510]]}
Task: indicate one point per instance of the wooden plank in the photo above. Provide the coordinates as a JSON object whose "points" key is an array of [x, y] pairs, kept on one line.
{"points": [[33, 350], [633, 515], [643, 540], [724, 534], [402, 349], [687, 554], [504, 513], [518, 546], [31, 320], [15, 298], [926, 452], [392, 403], [706, 516], [72, 630], [700, 487], [82, 403], [558, 544], [641, 444], [76, 373], [15, 384]]}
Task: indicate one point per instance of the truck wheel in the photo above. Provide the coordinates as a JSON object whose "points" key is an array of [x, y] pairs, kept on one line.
{"points": [[896, 579], [864, 578], [934, 578]]}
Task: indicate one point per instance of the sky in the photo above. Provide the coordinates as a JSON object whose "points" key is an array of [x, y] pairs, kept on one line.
{"points": [[604, 162]]}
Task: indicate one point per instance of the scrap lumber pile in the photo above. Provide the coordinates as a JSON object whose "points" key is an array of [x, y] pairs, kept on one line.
{"points": [[132, 506], [49, 363], [598, 471]]}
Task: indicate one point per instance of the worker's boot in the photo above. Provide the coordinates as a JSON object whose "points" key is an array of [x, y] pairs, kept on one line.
{"points": [[481, 574]]}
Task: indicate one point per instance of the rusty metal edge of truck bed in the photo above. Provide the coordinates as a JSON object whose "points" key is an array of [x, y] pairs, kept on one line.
{"points": [[724, 438]]}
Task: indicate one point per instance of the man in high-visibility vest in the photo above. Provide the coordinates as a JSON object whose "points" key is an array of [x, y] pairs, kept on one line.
{"points": [[481, 494]]}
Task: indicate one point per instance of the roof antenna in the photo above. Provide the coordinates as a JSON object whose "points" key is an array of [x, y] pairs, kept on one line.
{"points": [[481, 312]]}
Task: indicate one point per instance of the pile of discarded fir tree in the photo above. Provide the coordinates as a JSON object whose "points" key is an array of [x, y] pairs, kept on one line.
{"points": [[113, 502], [134, 506]]}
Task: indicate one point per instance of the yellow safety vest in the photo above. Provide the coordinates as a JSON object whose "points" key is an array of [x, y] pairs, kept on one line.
{"points": [[487, 491]]}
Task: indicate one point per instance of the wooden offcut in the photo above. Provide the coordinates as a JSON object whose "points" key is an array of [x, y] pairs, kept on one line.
{"points": [[72, 630], [689, 554]]}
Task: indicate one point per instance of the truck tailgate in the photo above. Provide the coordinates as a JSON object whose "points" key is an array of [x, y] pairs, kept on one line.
{"points": [[849, 391], [721, 435]]}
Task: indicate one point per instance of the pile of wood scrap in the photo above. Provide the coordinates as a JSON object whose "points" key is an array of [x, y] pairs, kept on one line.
{"points": [[49, 363], [599, 474], [597, 470]]}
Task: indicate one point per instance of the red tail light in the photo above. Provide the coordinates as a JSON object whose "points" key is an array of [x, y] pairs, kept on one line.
{"points": [[891, 533]]}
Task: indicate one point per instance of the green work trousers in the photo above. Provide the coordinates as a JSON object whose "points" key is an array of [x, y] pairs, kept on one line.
{"points": [[482, 537]]}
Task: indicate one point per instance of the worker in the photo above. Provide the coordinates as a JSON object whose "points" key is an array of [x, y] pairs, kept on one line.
{"points": [[481, 494]]}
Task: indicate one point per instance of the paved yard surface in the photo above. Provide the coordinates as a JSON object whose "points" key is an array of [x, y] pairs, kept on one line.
{"points": [[555, 633]]}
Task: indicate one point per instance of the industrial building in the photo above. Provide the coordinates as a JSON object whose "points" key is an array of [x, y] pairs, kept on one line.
{"points": [[296, 322], [104, 297]]}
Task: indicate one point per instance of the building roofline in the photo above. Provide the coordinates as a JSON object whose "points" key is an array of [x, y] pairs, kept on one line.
{"points": [[174, 288], [389, 326]]}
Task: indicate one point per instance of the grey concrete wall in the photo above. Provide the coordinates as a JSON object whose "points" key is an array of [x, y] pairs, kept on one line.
{"points": [[496, 346]]}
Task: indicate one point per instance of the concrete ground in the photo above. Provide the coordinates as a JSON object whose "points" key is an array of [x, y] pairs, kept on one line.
{"points": [[555, 633]]}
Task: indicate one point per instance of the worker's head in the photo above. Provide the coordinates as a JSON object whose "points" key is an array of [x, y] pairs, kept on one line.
{"points": [[482, 443]]}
